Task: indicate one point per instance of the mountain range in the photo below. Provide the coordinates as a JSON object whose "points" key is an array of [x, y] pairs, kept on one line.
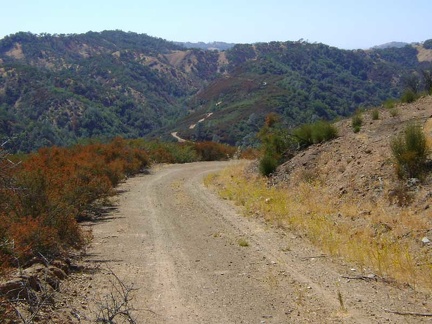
{"points": [[60, 89]]}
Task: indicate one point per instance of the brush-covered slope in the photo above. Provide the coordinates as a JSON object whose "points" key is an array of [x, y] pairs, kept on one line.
{"points": [[301, 82], [58, 89], [55, 89]]}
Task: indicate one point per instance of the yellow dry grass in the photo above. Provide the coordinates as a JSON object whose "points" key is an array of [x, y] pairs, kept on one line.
{"points": [[222, 59], [371, 235], [177, 57], [424, 55], [16, 52]]}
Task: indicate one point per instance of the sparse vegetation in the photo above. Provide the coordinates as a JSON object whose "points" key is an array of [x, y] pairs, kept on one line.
{"points": [[400, 195], [375, 114], [268, 164], [410, 152], [243, 242], [394, 112], [409, 96], [309, 209], [317, 132], [117, 304], [275, 142], [32, 297], [341, 302], [356, 122], [390, 103]]}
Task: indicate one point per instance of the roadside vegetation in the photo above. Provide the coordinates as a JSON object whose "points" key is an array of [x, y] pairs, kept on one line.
{"points": [[329, 223], [381, 239], [279, 143], [44, 195]]}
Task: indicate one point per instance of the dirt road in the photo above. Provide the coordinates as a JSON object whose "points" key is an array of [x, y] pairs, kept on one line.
{"points": [[194, 259]]}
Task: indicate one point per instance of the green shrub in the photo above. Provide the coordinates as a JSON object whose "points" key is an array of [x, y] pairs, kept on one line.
{"points": [[275, 140], [356, 122], [375, 114], [409, 96], [410, 151], [268, 165], [303, 135], [394, 112], [317, 132], [323, 131], [278, 143], [389, 103]]}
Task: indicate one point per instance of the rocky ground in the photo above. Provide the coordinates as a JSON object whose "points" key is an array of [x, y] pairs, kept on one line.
{"points": [[360, 164]]}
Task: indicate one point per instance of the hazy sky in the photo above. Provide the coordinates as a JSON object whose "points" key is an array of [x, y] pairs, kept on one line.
{"points": [[345, 24]]}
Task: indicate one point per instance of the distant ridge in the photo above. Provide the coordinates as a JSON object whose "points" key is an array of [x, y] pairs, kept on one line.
{"points": [[391, 45], [220, 46]]}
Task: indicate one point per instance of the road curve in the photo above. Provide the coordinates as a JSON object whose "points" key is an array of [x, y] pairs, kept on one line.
{"points": [[180, 245]]}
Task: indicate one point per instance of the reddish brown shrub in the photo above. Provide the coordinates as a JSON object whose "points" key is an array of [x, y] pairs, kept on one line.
{"points": [[211, 151], [31, 237], [250, 154], [54, 187]]}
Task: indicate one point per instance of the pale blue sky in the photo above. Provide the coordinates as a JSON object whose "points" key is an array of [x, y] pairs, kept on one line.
{"points": [[345, 24]]}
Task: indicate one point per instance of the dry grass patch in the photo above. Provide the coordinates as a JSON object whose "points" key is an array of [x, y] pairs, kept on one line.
{"points": [[428, 132], [372, 235], [243, 242]]}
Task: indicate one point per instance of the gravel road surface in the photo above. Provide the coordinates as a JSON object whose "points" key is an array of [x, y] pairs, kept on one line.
{"points": [[194, 259]]}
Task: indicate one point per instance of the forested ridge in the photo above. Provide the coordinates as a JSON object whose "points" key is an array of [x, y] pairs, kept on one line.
{"points": [[301, 82], [59, 89]]}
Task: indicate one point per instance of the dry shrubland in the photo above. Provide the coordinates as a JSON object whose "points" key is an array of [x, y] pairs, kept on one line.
{"points": [[45, 194]]}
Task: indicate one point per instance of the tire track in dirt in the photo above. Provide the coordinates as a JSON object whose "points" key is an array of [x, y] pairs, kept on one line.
{"points": [[179, 244]]}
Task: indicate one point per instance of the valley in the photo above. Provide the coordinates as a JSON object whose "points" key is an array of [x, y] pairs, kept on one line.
{"points": [[63, 89]]}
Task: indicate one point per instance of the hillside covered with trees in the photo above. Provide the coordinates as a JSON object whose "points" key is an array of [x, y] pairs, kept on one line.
{"points": [[302, 83], [59, 89]]}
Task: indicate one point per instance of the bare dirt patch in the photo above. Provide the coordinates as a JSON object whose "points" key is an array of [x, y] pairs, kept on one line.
{"points": [[16, 52], [424, 55], [176, 58]]}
